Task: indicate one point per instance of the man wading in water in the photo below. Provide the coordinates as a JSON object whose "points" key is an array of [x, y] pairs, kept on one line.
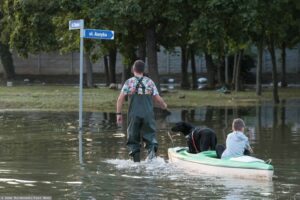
{"points": [[142, 92]]}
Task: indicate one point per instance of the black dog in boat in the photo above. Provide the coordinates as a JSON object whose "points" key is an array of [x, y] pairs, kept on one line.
{"points": [[198, 139]]}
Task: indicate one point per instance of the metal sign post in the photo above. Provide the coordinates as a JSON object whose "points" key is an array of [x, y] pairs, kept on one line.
{"points": [[92, 34], [74, 25], [81, 80]]}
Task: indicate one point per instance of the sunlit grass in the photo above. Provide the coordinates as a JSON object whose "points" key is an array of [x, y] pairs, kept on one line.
{"points": [[65, 98]]}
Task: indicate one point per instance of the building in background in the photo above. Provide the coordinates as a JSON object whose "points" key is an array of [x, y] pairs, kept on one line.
{"points": [[168, 63]]}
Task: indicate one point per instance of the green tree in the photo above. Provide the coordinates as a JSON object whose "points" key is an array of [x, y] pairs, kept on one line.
{"points": [[137, 24], [289, 32], [68, 41], [107, 15], [152, 18], [272, 31], [273, 24], [27, 28], [256, 32], [31, 25], [218, 31], [5, 53], [216, 28], [205, 32], [176, 32]]}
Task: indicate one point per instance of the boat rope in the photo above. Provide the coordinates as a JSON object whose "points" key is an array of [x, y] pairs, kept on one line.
{"points": [[193, 140]]}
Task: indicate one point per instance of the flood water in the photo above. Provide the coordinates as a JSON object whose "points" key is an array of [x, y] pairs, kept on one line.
{"points": [[42, 154]]}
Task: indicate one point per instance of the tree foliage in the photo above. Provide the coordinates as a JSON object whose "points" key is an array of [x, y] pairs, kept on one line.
{"points": [[214, 28], [5, 54]]}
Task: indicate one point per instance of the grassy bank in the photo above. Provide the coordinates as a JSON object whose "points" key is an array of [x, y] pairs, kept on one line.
{"points": [[65, 98]]}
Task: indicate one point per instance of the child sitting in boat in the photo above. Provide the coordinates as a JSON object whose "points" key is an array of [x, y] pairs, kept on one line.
{"points": [[237, 143]]}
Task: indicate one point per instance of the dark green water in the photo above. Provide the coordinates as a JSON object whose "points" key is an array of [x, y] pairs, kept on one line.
{"points": [[40, 154]]}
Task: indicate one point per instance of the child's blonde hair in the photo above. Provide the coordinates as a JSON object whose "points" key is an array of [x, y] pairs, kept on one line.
{"points": [[238, 124]]}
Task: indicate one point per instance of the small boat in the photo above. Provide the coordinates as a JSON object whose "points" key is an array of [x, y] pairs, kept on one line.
{"points": [[207, 162]]}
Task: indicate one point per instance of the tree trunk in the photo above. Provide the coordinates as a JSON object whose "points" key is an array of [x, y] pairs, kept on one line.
{"points": [[210, 71], [106, 71], [283, 65], [238, 72], [112, 65], [152, 55], [185, 84], [89, 71], [259, 68], [220, 70], [283, 112], [226, 71], [7, 62], [126, 72], [194, 71], [129, 56], [274, 70], [235, 58], [141, 53]]}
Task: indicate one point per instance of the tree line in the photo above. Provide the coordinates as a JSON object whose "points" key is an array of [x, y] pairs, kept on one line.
{"points": [[221, 30]]}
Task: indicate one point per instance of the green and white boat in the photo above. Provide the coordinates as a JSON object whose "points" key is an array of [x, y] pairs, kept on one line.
{"points": [[207, 163]]}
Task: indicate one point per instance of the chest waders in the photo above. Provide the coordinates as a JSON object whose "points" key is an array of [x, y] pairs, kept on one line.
{"points": [[141, 123]]}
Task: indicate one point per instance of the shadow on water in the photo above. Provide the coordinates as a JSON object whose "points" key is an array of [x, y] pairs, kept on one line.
{"points": [[42, 153]]}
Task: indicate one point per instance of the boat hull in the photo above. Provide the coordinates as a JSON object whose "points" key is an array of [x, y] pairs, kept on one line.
{"points": [[204, 165]]}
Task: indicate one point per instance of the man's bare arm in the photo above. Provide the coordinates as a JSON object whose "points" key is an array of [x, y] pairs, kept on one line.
{"points": [[157, 99], [120, 102]]}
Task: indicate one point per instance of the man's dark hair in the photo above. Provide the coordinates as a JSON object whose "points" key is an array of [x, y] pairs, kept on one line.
{"points": [[139, 66]]}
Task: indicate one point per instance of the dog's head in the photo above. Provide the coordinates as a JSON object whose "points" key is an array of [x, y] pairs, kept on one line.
{"points": [[183, 127]]}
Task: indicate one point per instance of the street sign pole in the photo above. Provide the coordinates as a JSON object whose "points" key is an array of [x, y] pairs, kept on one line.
{"points": [[91, 34], [75, 25], [81, 79]]}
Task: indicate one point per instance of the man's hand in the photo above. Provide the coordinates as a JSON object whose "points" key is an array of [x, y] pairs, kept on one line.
{"points": [[119, 119], [164, 106]]}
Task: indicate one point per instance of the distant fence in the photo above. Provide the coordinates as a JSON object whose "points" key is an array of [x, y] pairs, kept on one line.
{"points": [[168, 62]]}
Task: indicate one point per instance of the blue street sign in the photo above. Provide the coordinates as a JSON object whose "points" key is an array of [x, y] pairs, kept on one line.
{"points": [[76, 24], [99, 34]]}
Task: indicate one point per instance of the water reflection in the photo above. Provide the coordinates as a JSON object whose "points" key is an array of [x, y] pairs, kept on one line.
{"points": [[258, 117], [80, 147], [42, 153]]}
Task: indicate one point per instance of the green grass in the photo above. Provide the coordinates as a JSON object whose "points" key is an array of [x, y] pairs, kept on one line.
{"points": [[65, 98], [58, 98]]}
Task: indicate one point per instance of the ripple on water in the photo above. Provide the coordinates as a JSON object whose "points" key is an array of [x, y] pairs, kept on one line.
{"points": [[157, 167], [16, 181], [164, 171]]}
